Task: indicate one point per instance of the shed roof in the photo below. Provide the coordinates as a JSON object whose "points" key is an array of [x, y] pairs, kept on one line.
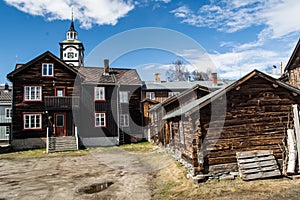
{"points": [[199, 103]]}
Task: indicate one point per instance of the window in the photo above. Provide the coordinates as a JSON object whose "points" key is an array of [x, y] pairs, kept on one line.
{"points": [[150, 95], [170, 94], [33, 93], [99, 93], [60, 92], [8, 113], [124, 120], [123, 97], [47, 69], [32, 121], [7, 130], [100, 120]]}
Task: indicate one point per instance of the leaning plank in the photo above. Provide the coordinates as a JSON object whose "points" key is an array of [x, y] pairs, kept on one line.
{"points": [[292, 152], [257, 164], [297, 131]]}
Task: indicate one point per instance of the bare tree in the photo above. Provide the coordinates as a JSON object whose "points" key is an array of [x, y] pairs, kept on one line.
{"points": [[178, 72]]}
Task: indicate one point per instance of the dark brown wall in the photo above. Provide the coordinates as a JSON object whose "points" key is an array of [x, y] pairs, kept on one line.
{"points": [[32, 76]]}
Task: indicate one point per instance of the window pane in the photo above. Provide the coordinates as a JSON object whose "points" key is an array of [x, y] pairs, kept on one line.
{"points": [[59, 120]]}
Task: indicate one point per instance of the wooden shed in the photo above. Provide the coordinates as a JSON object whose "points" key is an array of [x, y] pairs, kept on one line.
{"points": [[252, 113]]}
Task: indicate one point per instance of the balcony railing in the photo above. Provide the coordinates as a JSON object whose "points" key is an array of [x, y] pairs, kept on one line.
{"points": [[66, 103]]}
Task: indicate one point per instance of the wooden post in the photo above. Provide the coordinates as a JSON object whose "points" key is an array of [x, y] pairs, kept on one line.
{"points": [[47, 141], [297, 131], [76, 137], [292, 152]]}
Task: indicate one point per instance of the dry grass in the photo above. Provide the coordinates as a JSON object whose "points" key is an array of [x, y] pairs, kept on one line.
{"points": [[171, 183]]}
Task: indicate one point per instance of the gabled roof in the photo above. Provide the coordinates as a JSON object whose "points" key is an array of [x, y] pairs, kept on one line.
{"points": [[19, 68], [199, 103], [95, 75], [294, 60]]}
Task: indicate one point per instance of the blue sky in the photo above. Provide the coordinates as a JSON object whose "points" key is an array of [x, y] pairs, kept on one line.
{"points": [[237, 35]]}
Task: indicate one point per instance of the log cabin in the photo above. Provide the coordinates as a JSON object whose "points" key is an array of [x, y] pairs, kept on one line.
{"points": [[62, 103], [159, 94], [252, 113], [291, 72]]}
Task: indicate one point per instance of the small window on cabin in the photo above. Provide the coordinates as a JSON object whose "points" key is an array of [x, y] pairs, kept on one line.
{"points": [[99, 93], [123, 97], [47, 69], [170, 94], [150, 95]]}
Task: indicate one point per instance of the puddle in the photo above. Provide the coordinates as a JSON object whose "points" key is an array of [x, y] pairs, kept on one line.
{"points": [[94, 188]]}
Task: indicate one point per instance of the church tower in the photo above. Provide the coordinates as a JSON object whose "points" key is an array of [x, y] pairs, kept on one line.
{"points": [[71, 49]]}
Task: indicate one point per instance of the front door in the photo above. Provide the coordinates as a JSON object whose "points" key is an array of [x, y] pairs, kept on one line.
{"points": [[60, 124]]}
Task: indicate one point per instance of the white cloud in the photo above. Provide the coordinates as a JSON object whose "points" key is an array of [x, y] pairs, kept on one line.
{"points": [[280, 17], [87, 12]]}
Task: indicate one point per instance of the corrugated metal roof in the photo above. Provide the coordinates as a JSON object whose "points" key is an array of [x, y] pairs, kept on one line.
{"points": [[182, 85]]}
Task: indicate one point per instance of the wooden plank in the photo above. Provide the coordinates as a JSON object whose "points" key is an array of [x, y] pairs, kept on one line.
{"points": [[292, 151], [260, 175], [297, 130], [251, 154], [257, 164]]}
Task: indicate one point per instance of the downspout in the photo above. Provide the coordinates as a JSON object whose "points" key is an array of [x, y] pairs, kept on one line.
{"points": [[118, 114]]}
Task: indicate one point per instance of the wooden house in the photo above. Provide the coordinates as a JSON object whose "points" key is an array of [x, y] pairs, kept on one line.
{"points": [[252, 113], [43, 92], [110, 106], [291, 72], [5, 113], [158, 94], [58, 102], [157, 126]]}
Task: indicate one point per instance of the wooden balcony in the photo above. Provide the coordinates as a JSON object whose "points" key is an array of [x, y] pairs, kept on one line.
{"points": [[61, 103]]}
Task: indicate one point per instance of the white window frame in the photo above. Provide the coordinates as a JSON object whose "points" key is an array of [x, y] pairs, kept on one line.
{"points": [[99, 93], [34, 121], [99, 118], [7, 130], [49, 69], [150, 95], [32, 93], [170, 94], [124, 96], [124, 120], [8, 113]]}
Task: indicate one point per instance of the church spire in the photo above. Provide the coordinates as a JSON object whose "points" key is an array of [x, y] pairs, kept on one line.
{"points": [[72, 33]]}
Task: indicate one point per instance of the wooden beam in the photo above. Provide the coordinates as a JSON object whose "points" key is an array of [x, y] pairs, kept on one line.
{"points": [[297, 130]]}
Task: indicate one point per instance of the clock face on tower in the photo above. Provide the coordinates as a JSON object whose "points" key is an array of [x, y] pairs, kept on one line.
{"points": [[70, 55]]}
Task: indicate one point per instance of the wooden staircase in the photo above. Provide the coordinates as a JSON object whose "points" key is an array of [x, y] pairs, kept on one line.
{"points": [[66, 143]]}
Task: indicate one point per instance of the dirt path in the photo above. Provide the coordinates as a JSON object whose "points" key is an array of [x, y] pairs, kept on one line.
{"points": [[128, 176]]}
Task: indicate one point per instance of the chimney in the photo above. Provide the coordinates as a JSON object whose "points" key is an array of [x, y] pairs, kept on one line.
{"points": [[214, 79], [157, 77], [106, 67], [6, 87]]}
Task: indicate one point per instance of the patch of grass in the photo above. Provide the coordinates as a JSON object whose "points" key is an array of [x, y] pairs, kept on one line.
{"points": [[141, 147]]}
